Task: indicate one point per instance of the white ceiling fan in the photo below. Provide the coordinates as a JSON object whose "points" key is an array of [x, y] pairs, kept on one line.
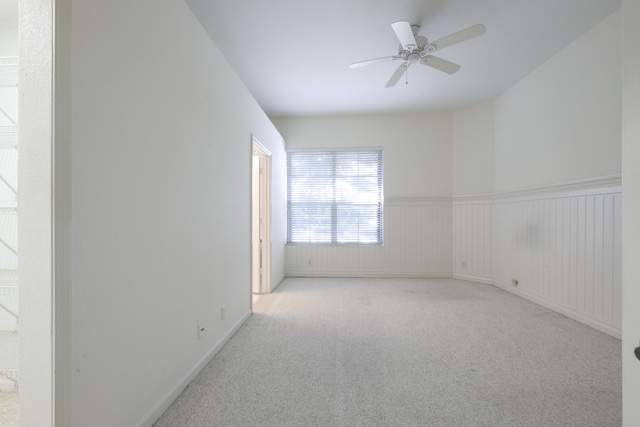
{"points": [[415, 48]]}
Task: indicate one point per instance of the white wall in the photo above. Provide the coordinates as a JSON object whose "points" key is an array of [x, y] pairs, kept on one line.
{"points": [[9, 32], [631, 212], [161, 164], [417, 147], [553, 220], [417, 173], [562, 122], [472, 148]]}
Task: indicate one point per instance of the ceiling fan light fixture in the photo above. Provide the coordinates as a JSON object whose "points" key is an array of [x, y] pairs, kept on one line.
{"points": [[415, 48]]}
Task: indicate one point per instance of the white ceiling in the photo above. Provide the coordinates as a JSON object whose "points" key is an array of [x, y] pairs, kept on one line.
{"points": [[293, 55]]}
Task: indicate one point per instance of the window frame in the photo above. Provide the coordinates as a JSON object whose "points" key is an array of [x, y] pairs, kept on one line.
{"points": [[336, 204]]}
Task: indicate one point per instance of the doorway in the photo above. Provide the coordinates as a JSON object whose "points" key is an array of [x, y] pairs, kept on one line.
{"points": [[260, 220]]}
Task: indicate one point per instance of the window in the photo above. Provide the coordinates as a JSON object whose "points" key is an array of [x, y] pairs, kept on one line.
{"points": [[334, 197]]}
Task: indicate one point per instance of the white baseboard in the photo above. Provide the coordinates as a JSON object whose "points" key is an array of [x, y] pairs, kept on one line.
{"points": [[273, 288], [472, 278], [170, 397], [367, 274], [572, 314]]}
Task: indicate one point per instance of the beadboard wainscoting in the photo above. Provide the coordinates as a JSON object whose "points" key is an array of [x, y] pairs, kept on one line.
{"points": [[417, 243], [563, 246], [472, 240]]}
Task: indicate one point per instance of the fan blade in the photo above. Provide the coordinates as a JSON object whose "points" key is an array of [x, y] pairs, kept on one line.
{"points": [[460, 36], [396, 76], [374, 61], [440, 64], [405, 35]]}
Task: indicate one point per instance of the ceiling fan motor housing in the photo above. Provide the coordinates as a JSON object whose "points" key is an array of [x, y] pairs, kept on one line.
{"points": [[421, 50]]}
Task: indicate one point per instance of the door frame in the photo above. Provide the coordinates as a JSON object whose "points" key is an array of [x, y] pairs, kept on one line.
{"points": [[261, 186], [630, 211], [44, 219]]}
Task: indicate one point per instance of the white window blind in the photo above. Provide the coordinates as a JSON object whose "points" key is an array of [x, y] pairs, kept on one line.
{"points": [[334, 197]]}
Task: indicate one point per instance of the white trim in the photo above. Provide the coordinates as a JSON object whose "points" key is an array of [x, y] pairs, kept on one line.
{"points": [[267, 223], [62, 215], [35, 221], [572, 314], [630, 211], [282, 279], [164, 403], [260, 146], [266, 271], [323, 149], [609, 184], [480, 199], [367, 274], [472, 278], [579, 184], [583, 187]]}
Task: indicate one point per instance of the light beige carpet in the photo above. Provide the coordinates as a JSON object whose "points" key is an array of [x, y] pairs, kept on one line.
{"points": [[405, 352]]}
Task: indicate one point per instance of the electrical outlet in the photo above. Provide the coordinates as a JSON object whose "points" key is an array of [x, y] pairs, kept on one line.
{"points": [[223, 312], [514, 282], [200, 331]]}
